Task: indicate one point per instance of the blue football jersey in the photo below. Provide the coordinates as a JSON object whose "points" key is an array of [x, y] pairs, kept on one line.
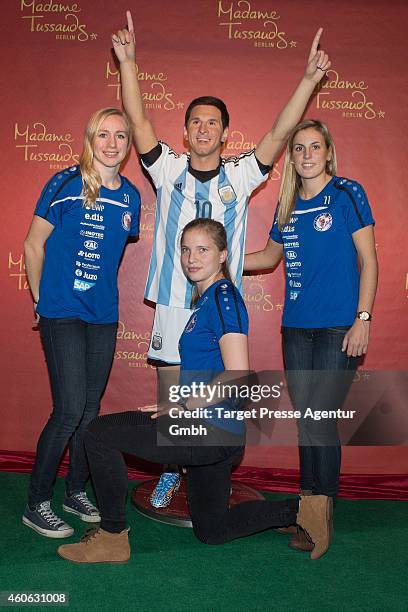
{"points": [[322, 277], [219, 311], [79, 276]]}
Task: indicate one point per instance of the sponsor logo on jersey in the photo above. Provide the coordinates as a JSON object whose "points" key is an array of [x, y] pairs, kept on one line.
{"points": [[80, 285], [323, 222], [191, 324], [126, 220], [227, 194], [157, 342], [293, 295], [291, 254], [293, 264], [91, 245]]}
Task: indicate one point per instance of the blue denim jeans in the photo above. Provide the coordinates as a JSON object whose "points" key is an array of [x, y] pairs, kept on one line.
{"points": [[307, 353], [79, 358]]}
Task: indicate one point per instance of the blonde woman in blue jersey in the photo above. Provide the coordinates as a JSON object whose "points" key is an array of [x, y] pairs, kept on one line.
{"points": [[323, 228], [81, 223], [199, 183], [214, 343]]}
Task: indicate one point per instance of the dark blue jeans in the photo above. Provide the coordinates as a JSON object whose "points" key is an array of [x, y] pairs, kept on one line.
{"points": [[208, 479], [79, 358], [309, 354]]}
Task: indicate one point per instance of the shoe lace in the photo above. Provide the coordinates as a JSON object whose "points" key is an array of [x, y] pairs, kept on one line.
{"points": [[49, 515], [166, 481], [89, 534], [83, 499]]}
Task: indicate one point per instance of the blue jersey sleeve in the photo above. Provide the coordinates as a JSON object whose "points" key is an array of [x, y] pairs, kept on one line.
{"points": [[231, 314], [357, 208], [275, 233], [53, 192]]}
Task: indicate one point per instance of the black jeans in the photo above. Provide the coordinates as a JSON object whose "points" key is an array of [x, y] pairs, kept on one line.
{"points": [[208, 479], [79, 358], [307, 353]]}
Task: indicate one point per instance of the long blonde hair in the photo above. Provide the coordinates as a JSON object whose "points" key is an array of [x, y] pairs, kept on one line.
{"points": [[291, 181], [91, 179]]}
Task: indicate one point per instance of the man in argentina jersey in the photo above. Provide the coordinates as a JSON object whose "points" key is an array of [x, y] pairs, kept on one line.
{"points": [[199, 183]]}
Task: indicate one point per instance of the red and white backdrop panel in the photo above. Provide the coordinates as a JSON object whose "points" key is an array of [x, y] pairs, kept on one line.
{"points": [[58, 67]]}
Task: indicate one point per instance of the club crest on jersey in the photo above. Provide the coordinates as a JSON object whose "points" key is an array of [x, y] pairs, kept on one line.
{"points": [[227, 194], [191, 324], [323, 222], [157, 342], [126, 220]]}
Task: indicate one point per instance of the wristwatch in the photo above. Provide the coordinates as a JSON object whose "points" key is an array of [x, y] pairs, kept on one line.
{"points": [[363, 315]]}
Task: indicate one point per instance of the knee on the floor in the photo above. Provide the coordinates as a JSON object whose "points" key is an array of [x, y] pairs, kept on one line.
{"points": [[209, 536]]}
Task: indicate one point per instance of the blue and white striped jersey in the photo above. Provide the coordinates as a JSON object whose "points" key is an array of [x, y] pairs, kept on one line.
{"points": [[180, 199]]}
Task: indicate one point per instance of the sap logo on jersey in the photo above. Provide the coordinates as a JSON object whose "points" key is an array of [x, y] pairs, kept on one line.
{"points": [[291, 254], [80, 285], [91, 245], [323, 222]]}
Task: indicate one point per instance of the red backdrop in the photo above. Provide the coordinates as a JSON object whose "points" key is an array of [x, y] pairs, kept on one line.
{"points": [[58, 67]]}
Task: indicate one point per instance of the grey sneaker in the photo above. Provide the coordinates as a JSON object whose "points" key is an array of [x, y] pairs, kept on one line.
{"points": [[45, 522], [79, 504]]}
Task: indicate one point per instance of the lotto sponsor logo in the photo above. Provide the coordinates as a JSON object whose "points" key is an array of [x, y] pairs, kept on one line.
{"points": [[91, 245], [88, 255], [293, 264]]}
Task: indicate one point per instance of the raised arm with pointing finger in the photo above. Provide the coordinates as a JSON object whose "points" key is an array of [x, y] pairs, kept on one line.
{"points": [[124, 46], [271, 143]]}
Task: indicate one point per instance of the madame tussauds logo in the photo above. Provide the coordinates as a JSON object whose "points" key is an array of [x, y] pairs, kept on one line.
{"points": [[256, 296], [59, 18], [41, 145], [155, 90], [349, 97], [243, 21], [148, 212], [136, 353]]}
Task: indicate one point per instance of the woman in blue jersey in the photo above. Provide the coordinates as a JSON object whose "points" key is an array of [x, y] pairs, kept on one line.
{"points": [[214, 341], [323, 227], [81, 223]]}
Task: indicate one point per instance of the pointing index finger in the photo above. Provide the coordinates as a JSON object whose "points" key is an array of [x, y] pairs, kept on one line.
{"points": [[129, 21], [315, 43]]}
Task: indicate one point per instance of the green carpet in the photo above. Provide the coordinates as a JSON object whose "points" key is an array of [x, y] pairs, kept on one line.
{"points": [[365, 568]]}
